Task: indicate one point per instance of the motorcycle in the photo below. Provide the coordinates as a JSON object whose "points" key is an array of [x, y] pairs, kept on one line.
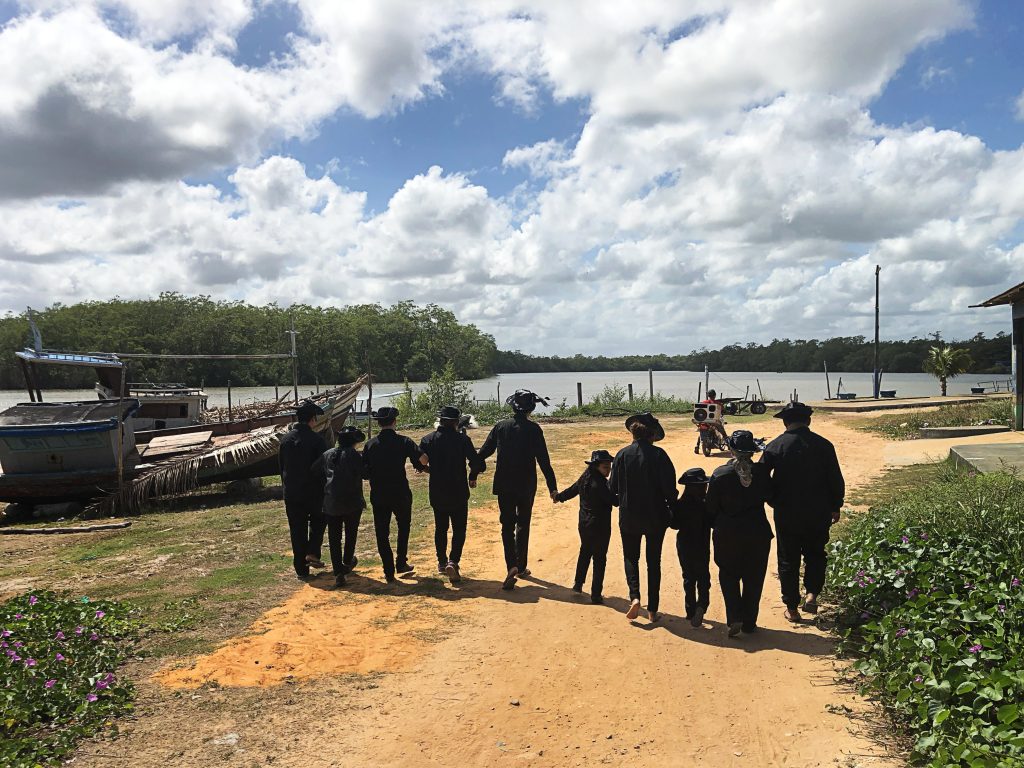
{"points": [[710, 428]]}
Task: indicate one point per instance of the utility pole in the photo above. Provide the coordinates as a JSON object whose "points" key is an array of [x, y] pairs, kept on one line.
{"points": [[295, 362], [877, 382]]}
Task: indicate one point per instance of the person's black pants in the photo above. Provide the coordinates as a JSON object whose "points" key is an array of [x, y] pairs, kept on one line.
{"points": [[593, 546], [631, 561], [515, 511], [383, 509], [457, 517], [792, 545], [742, 564], [694, 551], [306, 525], [342, 529]]}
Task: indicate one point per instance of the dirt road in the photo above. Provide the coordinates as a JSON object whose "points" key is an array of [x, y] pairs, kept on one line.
{"points": [[474, 676]]}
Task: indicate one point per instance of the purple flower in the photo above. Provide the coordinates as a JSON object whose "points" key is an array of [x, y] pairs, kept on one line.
{"points": [[79, 630], [1015, 582], [94, 636], [101, 684], [924, 536], [91, 697], [913, 593], [18, 643], [918, 679], [30, 662], [59, 657], [976, 648], [100, 614], [51, 683], [32, 600], [1002, 608], [15, 657], [902, 632], [905, 539], [968, 585], [59, 636], [18, 616], [5, 633]]}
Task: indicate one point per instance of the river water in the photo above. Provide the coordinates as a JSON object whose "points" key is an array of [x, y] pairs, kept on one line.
{"points": [[562, 386]]}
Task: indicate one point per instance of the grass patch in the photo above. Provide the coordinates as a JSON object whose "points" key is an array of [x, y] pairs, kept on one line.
{"points": [[905, 426], [895, 483], [930, 604]]}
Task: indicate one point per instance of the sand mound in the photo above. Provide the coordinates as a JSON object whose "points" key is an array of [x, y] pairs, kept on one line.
{"points": [[317, 634]]}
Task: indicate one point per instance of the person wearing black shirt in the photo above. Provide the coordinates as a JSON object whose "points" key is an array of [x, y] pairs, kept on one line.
{"points": [[520, 446], [693, 543], [644, 481], [449, 452], [809, 493], [384, 457], [595, 524], [341, 470], [742, 536], [303, 491]]}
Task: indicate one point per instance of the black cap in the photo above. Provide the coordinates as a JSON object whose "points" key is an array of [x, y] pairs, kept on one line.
{"points": [[449, 412], [600, 457], [524, 401], [350, 435], [795, 411], [648, 420], [386, 414], [307, 410], [695, 476], [743, 441]]}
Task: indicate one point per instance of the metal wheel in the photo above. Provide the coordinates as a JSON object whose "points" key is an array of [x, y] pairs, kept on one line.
{"points": [[758, 408]]}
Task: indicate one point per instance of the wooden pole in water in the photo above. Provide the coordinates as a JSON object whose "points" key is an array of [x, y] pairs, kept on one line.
{"points": [[877, 378], [295, 363], [699, 385], [828, 386], [629, 388], [579, 393], [276, 395], [650, 377], [229, 399]]}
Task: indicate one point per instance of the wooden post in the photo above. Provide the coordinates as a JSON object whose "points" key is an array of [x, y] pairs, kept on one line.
{"points": [[276, 395], [579, 393], [877, 378], [120, 437], [699, 385], [295, 363], [499, 393], [630, 388], [828, 386], [229, 399], [28, 379], [369, 408], [650, 377]]}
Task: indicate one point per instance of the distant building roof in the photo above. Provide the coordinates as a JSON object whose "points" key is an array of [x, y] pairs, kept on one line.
{"points": [[1011, 296]]}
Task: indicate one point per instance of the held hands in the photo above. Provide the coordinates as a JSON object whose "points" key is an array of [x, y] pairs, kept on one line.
{"points": [[472, 483], [554, 497]]}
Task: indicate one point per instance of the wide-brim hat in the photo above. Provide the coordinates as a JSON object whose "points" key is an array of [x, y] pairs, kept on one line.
{"points": [[648, 420], [743, 441], [387, 413], [600, 457], [449, 412], [307, 410], [795, 410], [350, 435], [695, 476], [524, 401]]}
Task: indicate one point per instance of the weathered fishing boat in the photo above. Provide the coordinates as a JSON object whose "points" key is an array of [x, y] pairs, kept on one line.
{"points": [[55, 452]]}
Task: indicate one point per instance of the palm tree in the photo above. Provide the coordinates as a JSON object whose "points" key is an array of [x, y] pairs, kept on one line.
{"points": [[946, 363]]}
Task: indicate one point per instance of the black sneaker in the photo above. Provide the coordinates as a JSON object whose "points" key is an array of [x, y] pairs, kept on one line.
{"points": [[577, 588], [451, 570], [596, 599], [339, 580], [303, 576], [405, 568], [441, 566], [697, 619], [349, 567], [735, 628], [390, 578], [749, 627], [314, 562]]}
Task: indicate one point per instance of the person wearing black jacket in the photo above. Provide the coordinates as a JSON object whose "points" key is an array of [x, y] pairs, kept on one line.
{"points": [[809, 492], [449, 451], [742, 536], [303, 491], [644, 481], [520, 445], [595, 525], [693, 543], [384, 458], [341, 470]]}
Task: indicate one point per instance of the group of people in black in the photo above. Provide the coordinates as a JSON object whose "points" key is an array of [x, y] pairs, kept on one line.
{"points": [[798, 475]]}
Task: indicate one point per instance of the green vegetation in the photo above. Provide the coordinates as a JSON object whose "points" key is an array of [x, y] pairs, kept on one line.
{"points": [[848, 353], [946, 363], [60, 674], [614, 400], [905, 426], [335, 345], [930, 603]]}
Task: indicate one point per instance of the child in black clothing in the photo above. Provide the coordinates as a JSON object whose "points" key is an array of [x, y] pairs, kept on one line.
{"points": [[342, 471], [693, 543], [596, 502]]}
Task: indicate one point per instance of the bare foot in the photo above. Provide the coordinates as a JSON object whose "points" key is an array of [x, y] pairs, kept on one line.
{"points": [[634, 610], [510, 579]]}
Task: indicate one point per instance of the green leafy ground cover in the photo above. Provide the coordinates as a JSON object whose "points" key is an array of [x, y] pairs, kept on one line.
{"points": [[60, 674], [905, 426], [930, 604]]}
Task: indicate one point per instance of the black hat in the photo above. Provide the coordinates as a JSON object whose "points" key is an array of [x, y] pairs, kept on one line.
{"points": [[307, 410], [350, 435], [600, 457], [524, 401], [695, 476], [449, 412], [795, 411], [387, 413], [743, 441], [648, 420]]}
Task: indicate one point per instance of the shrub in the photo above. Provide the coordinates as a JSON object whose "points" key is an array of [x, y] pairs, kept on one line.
{"points": [[929, 599], [905, 426], [60, 674], [614, 400]]}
